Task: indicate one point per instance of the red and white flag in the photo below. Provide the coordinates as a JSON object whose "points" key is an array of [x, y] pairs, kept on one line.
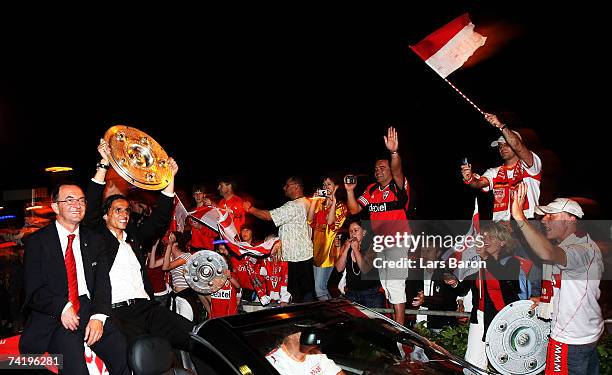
{"points": [[447, 48], [222, 221], [180, 215], [466, 249]]}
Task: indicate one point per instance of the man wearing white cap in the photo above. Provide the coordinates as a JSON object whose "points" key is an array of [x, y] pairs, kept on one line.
{"points": [[577, 267], [520, 164]]}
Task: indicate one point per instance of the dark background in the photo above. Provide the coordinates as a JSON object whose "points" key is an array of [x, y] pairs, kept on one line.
{"points": [[266, 93]]}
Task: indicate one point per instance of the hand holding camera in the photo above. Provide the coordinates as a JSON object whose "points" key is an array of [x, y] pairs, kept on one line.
{"points": [[350, 181]]}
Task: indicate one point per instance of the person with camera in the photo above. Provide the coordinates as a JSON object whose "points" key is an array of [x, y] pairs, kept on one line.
{"points": [[387, 200], [326, 216], [356, 257]]}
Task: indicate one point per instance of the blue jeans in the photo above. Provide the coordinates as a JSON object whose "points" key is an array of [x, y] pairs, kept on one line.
{"points": [[583, 359], [321, 277], [368, 298]]}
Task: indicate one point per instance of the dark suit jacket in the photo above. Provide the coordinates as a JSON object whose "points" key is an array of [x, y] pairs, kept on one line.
{"points": [[153, 226], [46, 283]]}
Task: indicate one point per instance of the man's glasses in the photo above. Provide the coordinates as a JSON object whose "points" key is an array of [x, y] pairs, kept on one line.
{"points": [[72, 201]]}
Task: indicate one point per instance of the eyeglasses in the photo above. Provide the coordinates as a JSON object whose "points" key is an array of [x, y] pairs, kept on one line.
{"points": [[72, 201]]}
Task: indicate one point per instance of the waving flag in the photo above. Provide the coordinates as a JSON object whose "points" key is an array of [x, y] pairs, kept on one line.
{"points": [[448, 48], [462, 252], [222, 221]]}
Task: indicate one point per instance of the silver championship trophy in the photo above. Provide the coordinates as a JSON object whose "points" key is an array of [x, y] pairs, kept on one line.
{"points": [[205, 271], [516, 340]]}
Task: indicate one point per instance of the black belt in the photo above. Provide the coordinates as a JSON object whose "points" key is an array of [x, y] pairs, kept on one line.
{"points": [[127, 302]]}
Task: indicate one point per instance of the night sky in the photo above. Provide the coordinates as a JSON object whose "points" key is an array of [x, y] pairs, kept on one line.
{"points": [[310, 92]]}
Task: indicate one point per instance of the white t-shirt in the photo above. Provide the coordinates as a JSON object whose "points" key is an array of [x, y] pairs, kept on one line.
{"points": [[503, 180], [293, 230], [313, 364], [577, 317]]}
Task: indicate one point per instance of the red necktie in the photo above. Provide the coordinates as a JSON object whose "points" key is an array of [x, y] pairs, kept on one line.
{"points": [[73, 285]]}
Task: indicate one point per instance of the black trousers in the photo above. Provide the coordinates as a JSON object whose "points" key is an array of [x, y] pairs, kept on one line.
{"points": [[111, 348], [147, 317], [301, 280]]}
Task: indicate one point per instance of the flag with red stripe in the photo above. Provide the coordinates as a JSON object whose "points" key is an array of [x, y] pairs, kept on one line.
{"points": [[448, 48], [222, 221]]}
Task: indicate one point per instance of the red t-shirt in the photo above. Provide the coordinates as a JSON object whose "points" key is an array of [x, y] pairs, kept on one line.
{"points": [[224, 302], [204, 237], [235, 205], [387, 206], [247, 270], [277, 277]]}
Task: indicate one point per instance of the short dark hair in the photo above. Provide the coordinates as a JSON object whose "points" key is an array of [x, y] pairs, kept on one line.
{"points": [[228, 180], [56, 189], [109, 201], [386, 157]]}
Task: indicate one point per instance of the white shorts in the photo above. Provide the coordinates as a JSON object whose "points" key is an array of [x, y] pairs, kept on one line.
{"points": [[393, 280]]}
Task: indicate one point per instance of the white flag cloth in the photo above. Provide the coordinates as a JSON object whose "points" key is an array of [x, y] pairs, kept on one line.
{"points": [[448, 48]]}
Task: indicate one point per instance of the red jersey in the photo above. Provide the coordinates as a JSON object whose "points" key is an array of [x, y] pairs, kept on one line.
{"points": [[235, 205], [276, 275], [387, 207], [204, 237], [247, 270], [224, 301]]}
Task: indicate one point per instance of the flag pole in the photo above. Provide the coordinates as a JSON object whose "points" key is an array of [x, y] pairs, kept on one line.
{"points": [[464, 96], [453, 86]]}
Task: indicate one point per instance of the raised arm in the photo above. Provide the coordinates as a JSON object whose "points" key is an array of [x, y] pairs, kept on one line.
{"points": [[536, 240], [471, 179], [513, 139], [260, 214], [392, 144], [351, 201]]}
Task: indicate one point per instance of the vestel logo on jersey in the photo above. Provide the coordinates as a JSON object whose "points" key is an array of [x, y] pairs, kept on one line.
{"points": [[222, 294], [378, 207]]}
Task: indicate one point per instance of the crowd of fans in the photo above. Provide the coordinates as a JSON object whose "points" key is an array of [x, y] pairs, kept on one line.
{"points": [[325, 250]]}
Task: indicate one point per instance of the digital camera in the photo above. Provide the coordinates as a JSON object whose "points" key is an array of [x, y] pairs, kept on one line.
{"points": [[350, 179], [322, 192]]}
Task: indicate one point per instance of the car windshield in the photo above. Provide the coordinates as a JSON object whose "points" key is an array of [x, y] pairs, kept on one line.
{"points": [[358, 340]]}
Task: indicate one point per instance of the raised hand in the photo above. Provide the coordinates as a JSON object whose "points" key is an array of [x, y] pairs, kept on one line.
{"points": [[104, 150], [391, 141], [520, 194], [493, 120], [173, 166], [466, 172]]}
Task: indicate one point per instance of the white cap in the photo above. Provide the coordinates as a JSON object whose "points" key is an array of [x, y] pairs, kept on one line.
{"points": [[501, 139], [561, 205]]}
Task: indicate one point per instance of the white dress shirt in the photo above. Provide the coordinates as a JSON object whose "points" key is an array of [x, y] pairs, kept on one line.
{"points": [[78, 259], [125, 273]]}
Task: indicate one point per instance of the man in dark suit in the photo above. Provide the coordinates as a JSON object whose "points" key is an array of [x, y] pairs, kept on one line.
{"points": [[68, 290], [132, 302]]}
